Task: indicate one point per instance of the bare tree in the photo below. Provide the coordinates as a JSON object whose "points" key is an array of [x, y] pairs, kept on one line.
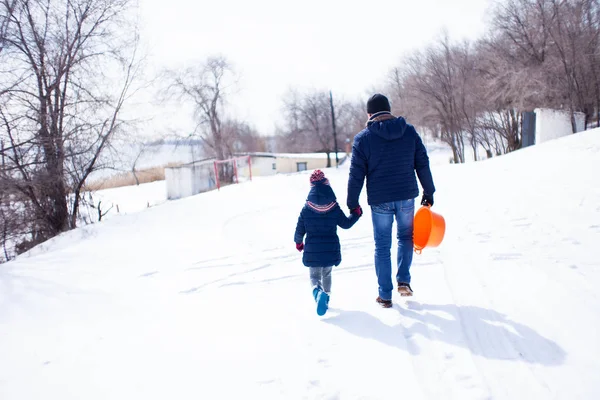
{"points": [[351, 117], [550, 49], [207, 86], [316, 120], [72, 65], [293, 136], [142, 147], [434, 83], [574, 32], [309, 121], [241, 137], [401, 93], [9, 6], [538, 53]]}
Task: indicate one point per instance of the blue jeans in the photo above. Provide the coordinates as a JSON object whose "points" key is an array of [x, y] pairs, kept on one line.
{"points": [[383, 219]]}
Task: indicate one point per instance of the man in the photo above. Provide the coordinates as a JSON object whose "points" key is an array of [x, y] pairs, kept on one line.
{"points": [[388, 152]]}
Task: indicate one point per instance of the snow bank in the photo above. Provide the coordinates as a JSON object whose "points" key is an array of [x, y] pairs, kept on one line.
{"points": [[206, 297]]}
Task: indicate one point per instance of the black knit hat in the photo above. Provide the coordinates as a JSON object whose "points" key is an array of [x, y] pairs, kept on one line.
{"points": [[378, 103]]}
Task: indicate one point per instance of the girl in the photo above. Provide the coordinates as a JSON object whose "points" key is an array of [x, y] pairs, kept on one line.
{"points": [[319, 219]]}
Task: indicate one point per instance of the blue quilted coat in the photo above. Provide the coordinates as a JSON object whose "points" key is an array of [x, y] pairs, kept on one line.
{"points": [[387, 153], [319, 220]]}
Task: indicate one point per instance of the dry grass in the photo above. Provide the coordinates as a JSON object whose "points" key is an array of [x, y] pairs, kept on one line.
{"points": [[127, 179]]}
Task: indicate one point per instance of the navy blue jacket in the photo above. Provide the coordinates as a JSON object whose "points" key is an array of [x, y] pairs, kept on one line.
{"points": [[319, 220], [388, 152]]}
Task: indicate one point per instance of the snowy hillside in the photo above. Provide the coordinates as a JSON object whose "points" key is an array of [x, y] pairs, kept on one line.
{"points": [[206, 297]]}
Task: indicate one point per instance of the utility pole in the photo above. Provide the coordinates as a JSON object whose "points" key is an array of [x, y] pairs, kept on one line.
{"points": [[334, 132], [191, 143]]}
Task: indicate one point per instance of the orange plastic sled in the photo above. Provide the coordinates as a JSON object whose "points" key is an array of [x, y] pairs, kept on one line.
{"points": [[429, 229]]}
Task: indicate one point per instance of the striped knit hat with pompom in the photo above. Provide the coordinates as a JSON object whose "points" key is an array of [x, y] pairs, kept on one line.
{"points": [[321, 198], [318, 176]]}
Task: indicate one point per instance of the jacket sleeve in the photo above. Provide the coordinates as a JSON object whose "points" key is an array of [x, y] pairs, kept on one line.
{"points": [[358, 172], [422, 167], [300, 230], [346, 222]]}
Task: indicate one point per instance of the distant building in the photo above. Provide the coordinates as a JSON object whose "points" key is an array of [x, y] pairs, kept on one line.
{"points": [[197, 177], [287, 163], [190, 179], [545, 124]]}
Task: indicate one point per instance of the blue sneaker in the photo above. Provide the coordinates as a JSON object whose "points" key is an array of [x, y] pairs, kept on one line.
{"points": [[316, 291], [322, 303]]}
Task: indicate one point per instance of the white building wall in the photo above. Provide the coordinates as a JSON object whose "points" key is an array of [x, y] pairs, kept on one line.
{"points": [[263, 166], [189, 180], [202, 178], [288, 165], [553, 124], [580, 122]]}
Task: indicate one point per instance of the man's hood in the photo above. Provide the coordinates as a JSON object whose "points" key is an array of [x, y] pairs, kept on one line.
{"points": [[386, 126]]}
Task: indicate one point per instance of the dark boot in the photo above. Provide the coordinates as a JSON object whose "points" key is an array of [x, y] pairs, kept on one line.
{"points": [[383, 303], [404, 289]]}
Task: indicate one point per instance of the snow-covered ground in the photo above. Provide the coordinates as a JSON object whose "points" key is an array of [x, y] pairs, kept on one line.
{"points": [[128, 199], [206, 297]]}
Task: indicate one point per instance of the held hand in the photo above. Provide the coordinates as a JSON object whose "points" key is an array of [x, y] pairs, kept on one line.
{"points": [[358, 211]]}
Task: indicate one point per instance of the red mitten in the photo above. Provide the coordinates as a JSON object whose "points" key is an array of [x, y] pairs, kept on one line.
{"points": [[358, 211], [299, 246]]}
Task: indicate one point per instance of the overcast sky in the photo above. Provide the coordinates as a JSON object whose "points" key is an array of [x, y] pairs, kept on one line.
{"points": [[345, 46]]}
